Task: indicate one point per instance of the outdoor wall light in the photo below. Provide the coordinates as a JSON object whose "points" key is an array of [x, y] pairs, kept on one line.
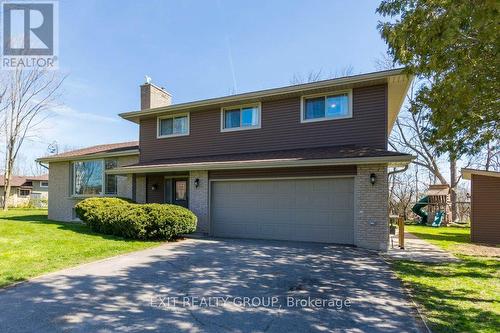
{"points": [[154, 187], [197, 182], [373, 178]]}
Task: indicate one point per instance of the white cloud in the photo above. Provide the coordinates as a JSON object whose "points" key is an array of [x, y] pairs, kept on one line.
{"points": [[73, 129], [71, 113]]}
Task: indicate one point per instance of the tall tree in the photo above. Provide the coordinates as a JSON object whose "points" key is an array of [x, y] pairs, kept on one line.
{"points": [[453, 45], [409, 136], [28, 95]]}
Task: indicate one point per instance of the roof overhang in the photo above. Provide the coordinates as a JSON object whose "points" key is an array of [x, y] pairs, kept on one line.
{"points": [[397, 80], [49, 159], [467, 173], [393, 161]]}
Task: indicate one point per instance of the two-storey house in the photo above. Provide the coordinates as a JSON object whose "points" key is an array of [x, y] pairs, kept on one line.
{"points": [[306, 162]]}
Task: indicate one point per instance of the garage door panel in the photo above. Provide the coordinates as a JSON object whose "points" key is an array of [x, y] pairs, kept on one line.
{"points": [[344, 185], [318, 210], [342, 201]]}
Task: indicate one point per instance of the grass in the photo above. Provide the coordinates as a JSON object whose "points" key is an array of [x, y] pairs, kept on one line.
{"points": [[455, 297], [449, 238], [31, 245]]}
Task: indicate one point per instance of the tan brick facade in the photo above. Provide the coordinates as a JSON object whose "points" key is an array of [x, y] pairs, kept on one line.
{"points": [[140, 189], [61, 202], [153, 97], [371, 220], [198, 199]]}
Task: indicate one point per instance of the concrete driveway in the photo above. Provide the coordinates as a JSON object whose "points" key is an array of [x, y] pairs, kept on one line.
{"points": [[214, 285]]}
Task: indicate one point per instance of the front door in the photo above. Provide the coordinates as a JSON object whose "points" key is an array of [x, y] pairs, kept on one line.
{"points": [[176, 191]]}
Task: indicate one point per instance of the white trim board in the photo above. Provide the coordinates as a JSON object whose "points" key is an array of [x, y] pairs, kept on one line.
{"points": [[392, 161]]}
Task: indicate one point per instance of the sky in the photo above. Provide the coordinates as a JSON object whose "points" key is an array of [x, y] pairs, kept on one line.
{"points": [[195, 50]]}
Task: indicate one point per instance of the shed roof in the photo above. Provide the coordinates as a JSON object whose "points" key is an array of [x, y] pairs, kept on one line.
{"points": [[467, 173]]}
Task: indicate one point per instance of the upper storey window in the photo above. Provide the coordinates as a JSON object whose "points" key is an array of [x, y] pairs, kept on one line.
{"points": [[240, 117], [326, 106], [173, 125]]}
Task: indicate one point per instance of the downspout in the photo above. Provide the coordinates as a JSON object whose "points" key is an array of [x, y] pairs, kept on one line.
{"points": [[43, 165], [398, 171]]}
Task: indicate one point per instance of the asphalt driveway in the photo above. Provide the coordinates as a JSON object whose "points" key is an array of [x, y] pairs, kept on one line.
{"points": [[204, 285]]}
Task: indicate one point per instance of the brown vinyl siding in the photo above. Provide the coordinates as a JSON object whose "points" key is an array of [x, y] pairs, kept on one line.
{"points": [[158, 195], [342, 170], [485, 225], [280, 129]]}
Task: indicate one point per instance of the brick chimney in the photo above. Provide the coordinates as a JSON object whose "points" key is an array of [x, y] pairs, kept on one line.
{"points": [[153, 96]]}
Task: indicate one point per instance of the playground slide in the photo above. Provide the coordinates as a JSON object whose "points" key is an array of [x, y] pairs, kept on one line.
{"points": [[417, 209], [438, 219]]}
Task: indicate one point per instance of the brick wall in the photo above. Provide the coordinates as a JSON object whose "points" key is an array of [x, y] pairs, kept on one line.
{"points": [[140, 189], [371, 220], [124, 182], [198, 199], [61, 202], [153, 97]]}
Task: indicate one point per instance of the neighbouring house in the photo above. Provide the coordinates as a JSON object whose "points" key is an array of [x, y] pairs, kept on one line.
{"points": [[26, 189], [307, 162], [485, 202]]}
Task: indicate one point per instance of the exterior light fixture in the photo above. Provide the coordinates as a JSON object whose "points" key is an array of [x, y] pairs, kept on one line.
{"points": [[373, 178], [197, 182], [154, 187]]}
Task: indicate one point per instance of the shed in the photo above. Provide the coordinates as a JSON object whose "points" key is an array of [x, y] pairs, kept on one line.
{"points": [[485, 205]]}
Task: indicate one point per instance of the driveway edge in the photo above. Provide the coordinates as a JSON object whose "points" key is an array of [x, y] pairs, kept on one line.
{"points": [[409, 294], [34, 278]]}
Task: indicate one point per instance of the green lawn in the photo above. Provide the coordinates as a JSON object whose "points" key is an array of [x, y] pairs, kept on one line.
{"points": [[455, 297], [447, 238], [31, 245]]}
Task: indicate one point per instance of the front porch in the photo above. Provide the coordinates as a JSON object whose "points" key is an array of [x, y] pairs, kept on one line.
{"points": [[185, 188]]}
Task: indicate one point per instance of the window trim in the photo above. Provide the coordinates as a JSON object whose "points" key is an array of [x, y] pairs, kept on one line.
{"points": [[103, 184], [158, 120], [24, 196], [241, 106], [331, 93], [105, 174], [73, 180], [44, 181]]}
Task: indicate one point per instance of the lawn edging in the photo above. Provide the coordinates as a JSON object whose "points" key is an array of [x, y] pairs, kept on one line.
{"points": [[451, 296], [418, 308], [67, 269]]}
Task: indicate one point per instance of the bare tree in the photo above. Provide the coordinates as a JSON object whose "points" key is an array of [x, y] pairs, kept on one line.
{"points": [[314, 76], [28, 95], [408, 136], [491, 157], [401, 193]]}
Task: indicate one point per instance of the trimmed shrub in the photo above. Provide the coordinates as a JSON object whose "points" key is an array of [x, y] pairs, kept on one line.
{"points": [[121, 217]]}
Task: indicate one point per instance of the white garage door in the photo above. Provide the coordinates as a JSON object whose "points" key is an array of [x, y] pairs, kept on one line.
{"points": [[314, 210]]}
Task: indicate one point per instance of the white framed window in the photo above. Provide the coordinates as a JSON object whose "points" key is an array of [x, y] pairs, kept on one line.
{"points": [[173, 125], [44, 183], [90, 178], [241, 117], [319, 107]]}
